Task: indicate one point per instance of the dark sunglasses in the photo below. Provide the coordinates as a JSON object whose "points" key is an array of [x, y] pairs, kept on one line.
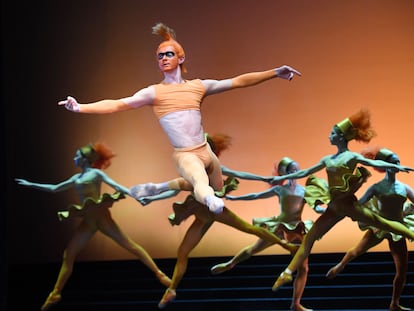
{"points": [[169, 54]]}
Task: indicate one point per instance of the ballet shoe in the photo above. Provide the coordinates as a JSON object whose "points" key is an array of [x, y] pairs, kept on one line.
{"points": [[283, 278], [220, 268], [333, 271], [143, 190], [215, 204], [398, 308], [168, 297], [51, 300], [299, 307]]}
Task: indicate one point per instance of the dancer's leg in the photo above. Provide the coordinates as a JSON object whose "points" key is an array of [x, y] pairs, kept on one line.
{"points": [[299, 287], [321, 226], [399, 254], [365, 215], [82, 235], [229, 218], [368, 241], [192, 237], [179, 184], [241, 256], [193, 170], [111, 229]]}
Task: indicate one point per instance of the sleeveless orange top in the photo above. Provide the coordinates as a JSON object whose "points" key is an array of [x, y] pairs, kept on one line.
{"points": [[176, 97]]}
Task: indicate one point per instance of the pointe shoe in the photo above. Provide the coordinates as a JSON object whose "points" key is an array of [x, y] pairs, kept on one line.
{"points": [[333, 272], [220, 268], [282, 279], [168, 297], [399, 308], [299, 307], [51, 300]]}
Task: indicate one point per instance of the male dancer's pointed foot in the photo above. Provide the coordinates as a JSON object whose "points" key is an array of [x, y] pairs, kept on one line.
{"points": [[168, 297], [299, 307], [51, 300], [334, 271], [143, 190], [220, 268], [283, 278], [214, 204], [398, 308]]}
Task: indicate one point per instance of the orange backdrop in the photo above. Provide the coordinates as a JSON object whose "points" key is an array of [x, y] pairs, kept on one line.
{"points": [[352, 54]]}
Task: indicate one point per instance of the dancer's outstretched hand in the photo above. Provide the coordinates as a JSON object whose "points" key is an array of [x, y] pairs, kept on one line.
{"points": [[70, 104], [286, 72]]}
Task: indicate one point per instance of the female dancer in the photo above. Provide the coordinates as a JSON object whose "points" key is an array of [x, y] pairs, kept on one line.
{"points": [[176, 103], [344, 179], [94, 211], [387, 198], [204, 218], [287, 225]]}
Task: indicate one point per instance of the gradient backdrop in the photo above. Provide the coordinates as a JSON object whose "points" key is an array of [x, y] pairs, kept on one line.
{"points": [[352, 54]]}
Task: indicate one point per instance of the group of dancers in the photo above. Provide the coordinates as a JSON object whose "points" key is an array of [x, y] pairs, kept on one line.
{"points": [[176, 103]]}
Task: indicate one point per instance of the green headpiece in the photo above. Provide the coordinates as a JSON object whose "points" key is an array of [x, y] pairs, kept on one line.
{"points": [[383, 154], [347, 128], [89, 153], [283, 165]]}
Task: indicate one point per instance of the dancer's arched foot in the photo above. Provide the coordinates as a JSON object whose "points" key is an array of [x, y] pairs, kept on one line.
{"points": [[168, 297], [221, 267], [334, 271], [144, 190], [215, 204], [51, 300], [398, 308], [299, 307], [283, 278]]}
